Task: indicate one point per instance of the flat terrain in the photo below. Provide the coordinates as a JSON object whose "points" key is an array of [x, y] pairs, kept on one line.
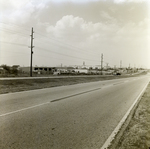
{"points": [[137, 134], [7, 86], [79, 116]]}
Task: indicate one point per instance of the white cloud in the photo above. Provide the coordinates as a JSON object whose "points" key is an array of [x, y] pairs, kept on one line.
{"points": [[17, 10], [74, 1], [135, 1], [138, 1], [119, 1], [70, 26], [111, 29], [22, 15]]}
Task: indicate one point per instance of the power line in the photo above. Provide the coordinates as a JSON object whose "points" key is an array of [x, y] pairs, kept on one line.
{"points": [[12, 24], [48, 51], [27, 53], [14, 55], [14, 43], [58, 42], [66, 44], [55, 58], [55, 40], [64, 54], [13, 31], [78, 51]]}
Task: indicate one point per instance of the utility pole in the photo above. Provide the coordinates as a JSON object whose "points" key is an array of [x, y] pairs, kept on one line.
{"points": [[101, 64], [120, 64], [107, 65], [31, 51]]}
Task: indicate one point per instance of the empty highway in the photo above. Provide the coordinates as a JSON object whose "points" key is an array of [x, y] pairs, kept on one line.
{"points": [[78, 116]]}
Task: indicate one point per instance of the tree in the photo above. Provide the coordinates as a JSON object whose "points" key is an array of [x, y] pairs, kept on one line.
{"points": [[14, 71], [6, 68]]}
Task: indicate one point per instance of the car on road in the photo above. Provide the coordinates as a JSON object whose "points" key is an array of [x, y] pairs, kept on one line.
{"points": [[118, 73]]}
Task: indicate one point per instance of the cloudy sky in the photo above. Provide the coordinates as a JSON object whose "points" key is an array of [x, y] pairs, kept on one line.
{"points": [[70, 32]]}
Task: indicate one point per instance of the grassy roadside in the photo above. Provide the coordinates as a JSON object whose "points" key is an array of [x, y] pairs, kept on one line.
{"points": [[8, 86], [137, 133]]}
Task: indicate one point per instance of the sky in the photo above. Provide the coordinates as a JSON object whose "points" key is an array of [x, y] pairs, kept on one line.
{"points": [[73, 32]]}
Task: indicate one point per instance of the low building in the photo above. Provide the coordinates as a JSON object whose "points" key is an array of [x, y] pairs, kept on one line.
{"points": [[93, 71], [44, 70], [81, 71], [38, 70]]}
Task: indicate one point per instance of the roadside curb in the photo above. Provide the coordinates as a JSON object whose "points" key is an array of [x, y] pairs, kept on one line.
{"points": [[113, 139]]}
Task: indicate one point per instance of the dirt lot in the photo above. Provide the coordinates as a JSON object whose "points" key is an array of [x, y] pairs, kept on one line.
{"points": [[137, 134]]}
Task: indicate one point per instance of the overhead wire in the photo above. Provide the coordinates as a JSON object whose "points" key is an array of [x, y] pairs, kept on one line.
{"points": [[14, 43], [51, 38], [65, 48], [12, 31], [14, 56], [47, 51], [63, 54], [58, 42], [12, 24], [47, 56], [63, 45], [67, 45]]}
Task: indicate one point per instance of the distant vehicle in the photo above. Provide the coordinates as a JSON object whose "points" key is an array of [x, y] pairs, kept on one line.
{"points": [[56, 73], [118, 73]]}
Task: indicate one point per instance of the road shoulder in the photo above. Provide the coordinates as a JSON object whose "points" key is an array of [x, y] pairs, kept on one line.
{"points": [[135, 132]]}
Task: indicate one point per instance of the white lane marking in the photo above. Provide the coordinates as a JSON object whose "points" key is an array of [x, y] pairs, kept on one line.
{"points": [[116, 130], [35, 105], [9, 113], [118, 83], [47, 102], [75, 95]]}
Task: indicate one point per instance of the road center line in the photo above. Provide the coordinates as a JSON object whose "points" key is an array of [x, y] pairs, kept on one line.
{"points": [[75, 95], [13, 112], [24, 109], [118, 83]]}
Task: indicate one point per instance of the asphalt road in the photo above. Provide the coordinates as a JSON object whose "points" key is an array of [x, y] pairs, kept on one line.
{"points": [[78, 116]]}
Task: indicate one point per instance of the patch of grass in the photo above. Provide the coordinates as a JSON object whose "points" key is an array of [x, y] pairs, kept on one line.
{"points": [[137, 134], [7, 86]]}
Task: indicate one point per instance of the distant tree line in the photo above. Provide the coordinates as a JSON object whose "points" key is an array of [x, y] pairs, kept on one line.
{"points": [[9, 69]]}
